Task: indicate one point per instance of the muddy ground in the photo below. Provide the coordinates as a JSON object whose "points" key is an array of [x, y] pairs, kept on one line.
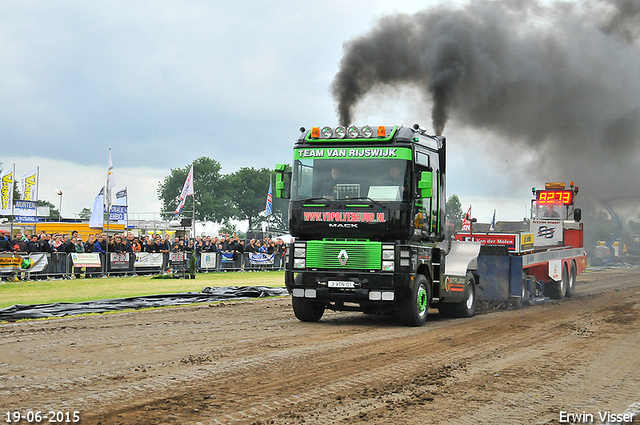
{"points": [[252, 362]]}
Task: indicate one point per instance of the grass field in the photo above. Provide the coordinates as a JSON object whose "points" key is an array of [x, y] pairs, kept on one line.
{"points": [[76, 290]]}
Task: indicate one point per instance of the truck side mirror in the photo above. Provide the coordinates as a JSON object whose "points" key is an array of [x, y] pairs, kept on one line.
{"points": [[282, 183], [425, 184]]}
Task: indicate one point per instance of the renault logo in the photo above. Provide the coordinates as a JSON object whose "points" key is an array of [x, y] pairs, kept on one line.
{"points": [[343, 257]]}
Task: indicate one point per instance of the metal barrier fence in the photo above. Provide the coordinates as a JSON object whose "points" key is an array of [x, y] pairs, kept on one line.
{"points": [[60, 265]]}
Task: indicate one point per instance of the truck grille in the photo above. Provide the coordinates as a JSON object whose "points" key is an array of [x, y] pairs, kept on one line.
{"points": [[356, 255]]}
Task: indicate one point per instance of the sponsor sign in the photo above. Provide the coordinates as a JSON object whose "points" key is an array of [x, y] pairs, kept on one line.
{"points": [[30, 185], [148, 259], [35, 262], [6, 192], [86, 260], [546, 232], [508, 240], [25, 212], [514, 242], [118, 213], [226, 257], [260, 258], [353, 153], [526, 241], [119, 261], [176, 257], [208, 260], [345, 217]]}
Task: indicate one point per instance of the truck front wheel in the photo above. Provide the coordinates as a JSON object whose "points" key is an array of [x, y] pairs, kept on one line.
{"points": [[412, 311], [306, 310]]}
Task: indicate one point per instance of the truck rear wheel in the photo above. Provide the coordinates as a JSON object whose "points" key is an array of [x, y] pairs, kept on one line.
{"points": [[413, 310], [306, 310], [556, 290], [465, 308], [571, 286]]}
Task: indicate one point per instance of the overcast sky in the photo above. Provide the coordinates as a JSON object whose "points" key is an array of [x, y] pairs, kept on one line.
{"points": [[162, 83]]}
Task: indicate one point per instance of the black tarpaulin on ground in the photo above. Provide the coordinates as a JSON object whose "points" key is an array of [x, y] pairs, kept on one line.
{"points": [[207, 295]]}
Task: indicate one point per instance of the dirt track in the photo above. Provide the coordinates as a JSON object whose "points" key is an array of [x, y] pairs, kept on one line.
{"points": [[252, 362]]}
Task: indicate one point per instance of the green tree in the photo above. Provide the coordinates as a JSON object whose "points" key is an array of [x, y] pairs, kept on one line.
{"points": [[85, 214], [453, 211], [211, 194], [248, 193]]}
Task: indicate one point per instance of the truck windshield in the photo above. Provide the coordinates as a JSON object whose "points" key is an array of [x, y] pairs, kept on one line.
{"points": [[548, 210], [384, 180]]}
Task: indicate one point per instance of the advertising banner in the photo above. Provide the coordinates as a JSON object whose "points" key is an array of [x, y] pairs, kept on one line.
{"points": [[208, 260], [25, 212], [34, 262], [546, 232], [119, 261], [176, 257], [118, 213], [148, 259], [30, 185], [86, 260], [260, 258], [6, 192], [226, 257]]}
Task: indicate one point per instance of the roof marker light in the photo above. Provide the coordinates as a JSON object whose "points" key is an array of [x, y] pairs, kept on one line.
{"points": [[315, 132], [382, 132]]}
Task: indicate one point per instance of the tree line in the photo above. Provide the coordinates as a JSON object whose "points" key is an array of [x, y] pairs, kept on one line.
{"points": [[240, 195]]}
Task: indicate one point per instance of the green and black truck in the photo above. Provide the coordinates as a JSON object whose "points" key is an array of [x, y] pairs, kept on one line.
{"points": [[367, 213]]}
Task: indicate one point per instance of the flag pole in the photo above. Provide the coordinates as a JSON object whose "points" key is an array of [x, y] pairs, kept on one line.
{"points": [[193, 213], [35, 226], [107, 194]]}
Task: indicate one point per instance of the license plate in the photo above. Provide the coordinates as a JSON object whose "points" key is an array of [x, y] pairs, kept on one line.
{"points": [[341, 284]]}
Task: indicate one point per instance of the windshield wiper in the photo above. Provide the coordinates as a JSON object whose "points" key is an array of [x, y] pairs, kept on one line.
{"points": [[369, 199], [319, 199]]}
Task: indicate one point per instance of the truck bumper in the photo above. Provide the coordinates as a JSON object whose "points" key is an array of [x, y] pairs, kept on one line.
{"points": [[368, 287]]}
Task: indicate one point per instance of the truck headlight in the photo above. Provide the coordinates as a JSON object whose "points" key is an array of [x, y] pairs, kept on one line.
{"points": [[387, 266], [299, 263], [388, 255], [300, 252]]}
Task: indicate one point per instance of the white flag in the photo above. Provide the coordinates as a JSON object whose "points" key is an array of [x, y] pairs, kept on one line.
{"points": [[187, 190], [6, 191], [30, 185], [97, 213]]}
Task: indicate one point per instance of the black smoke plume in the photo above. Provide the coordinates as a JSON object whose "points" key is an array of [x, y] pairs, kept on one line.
{"points": [[561, 79]]}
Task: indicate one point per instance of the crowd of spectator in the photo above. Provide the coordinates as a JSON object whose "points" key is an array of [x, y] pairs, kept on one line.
{"points": [[230, 245]]}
